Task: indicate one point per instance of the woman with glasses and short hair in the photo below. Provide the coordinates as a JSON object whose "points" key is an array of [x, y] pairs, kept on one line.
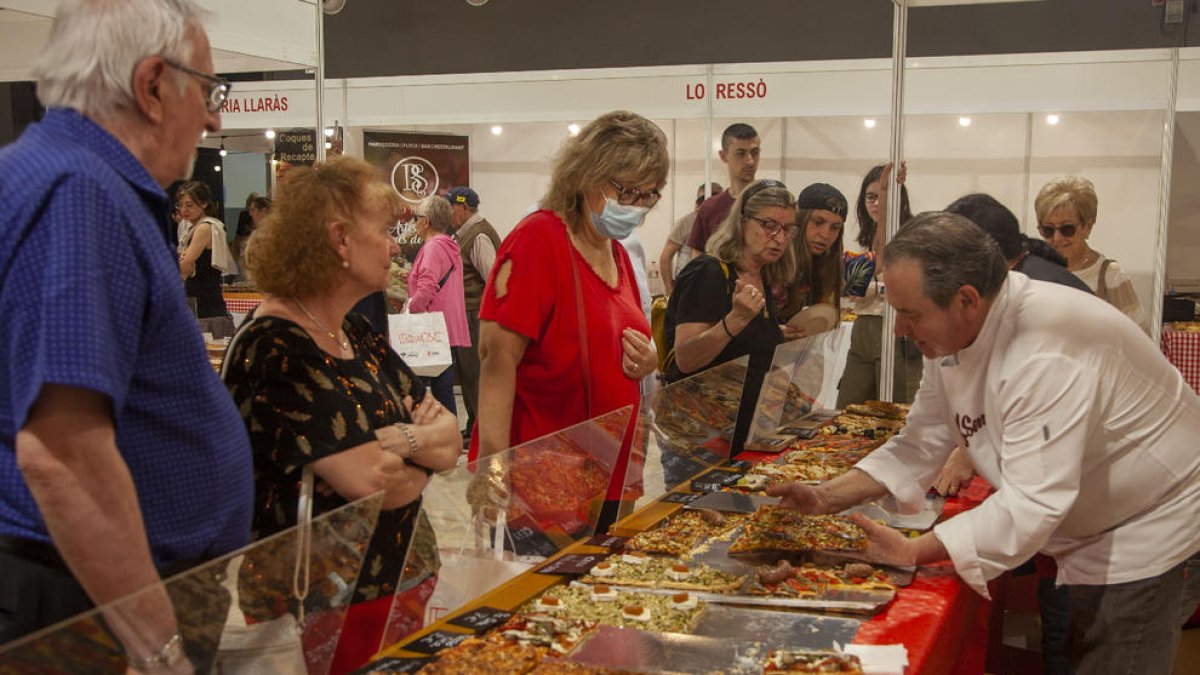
{"points": [[563, 337], [1066, 212], [722, 307]]}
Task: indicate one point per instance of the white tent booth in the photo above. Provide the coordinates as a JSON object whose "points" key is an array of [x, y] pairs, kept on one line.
{"points": [[997, 124]]}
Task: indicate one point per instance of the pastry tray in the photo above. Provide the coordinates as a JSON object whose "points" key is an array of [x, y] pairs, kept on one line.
{"points": [[727, 640], [738, 502]]}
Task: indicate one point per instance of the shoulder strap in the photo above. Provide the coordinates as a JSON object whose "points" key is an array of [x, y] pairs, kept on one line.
{"points": [[237, 335], [728, 277], [445, 277], [303, 540], [583, 334], [1101, 286]]}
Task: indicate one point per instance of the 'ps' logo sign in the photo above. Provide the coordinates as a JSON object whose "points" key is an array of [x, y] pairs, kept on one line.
{"points": [[414, 178]]}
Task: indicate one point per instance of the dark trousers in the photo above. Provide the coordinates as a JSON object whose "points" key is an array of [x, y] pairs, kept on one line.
{"points": [[1133, 627], [442, 388], [466, 363], [1054, 604], [33, 596]]}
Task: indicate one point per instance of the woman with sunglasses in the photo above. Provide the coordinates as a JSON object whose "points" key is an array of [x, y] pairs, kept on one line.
{"points": [[1066, 212], [563, 337], [722, 307], [864, 363], [821, 212]]}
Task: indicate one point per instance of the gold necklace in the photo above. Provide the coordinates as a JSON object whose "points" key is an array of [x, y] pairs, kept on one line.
{"points": [[345, 344]]}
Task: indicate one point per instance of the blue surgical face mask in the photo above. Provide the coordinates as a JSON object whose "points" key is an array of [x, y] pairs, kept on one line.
{"points": [[617, 220]]}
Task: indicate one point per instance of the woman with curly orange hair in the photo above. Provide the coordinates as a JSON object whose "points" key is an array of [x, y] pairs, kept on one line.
{"points": [[317, 388]]}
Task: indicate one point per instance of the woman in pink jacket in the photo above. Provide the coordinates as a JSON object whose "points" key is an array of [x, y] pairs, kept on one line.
{"points": [[435, 284]]}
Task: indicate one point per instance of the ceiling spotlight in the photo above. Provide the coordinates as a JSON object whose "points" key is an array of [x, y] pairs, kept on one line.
{"points": [[573, 129], [1051, 119], [222, 152], [869, 123], [964, 121], [328, 132], [497, 130], [217, 168], [270, 134]]}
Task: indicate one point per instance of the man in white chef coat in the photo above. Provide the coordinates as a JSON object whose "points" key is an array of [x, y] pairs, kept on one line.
{"points": [[1088, 434]]}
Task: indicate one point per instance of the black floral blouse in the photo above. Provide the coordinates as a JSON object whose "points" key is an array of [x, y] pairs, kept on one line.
{"points": [[301, 404]]}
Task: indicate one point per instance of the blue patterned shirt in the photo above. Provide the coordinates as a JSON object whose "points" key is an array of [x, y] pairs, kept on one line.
{"points": [[91, 298]]}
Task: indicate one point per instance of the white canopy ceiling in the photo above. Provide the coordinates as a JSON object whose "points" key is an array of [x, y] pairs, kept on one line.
{"points": [[246, 36]]}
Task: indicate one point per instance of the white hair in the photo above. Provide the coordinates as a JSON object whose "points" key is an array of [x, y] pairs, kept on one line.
{"points": [[87, 63]]}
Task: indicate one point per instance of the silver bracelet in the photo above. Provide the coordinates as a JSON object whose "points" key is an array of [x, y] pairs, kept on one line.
{"points": [[412, 439], [168, 655]]}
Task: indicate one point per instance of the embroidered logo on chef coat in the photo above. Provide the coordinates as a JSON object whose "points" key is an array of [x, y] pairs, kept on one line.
{"points": [[969, 426]]}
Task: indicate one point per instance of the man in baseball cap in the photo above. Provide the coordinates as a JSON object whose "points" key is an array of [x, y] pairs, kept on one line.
{"points": [[477, 241]]}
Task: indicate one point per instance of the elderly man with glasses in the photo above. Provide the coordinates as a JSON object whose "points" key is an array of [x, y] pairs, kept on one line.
{"points": [[122, 457]]}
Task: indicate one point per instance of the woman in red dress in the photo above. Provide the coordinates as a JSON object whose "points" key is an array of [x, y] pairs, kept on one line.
{"points": [[562, 335]]}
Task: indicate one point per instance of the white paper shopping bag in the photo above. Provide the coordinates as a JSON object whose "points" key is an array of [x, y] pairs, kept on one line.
{"points": [[422, 341]]}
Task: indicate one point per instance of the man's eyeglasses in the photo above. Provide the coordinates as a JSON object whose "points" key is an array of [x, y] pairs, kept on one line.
{"points": [[630, 196], [773, 228], [1066, 229], [218, 89]]}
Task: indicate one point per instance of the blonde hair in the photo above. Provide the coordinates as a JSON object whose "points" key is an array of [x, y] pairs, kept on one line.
{"points": [[289, 253], [1074, 192], [728, 243], [617, 145]]}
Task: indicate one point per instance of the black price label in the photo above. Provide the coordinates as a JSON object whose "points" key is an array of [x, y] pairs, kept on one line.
{"points": [[675, 464], [610, 541], [435, 642], [713, 481], [803, 432], [737, 464], [680, 497], [481, 620], [572, 563], [528, 539], [394, 665]]}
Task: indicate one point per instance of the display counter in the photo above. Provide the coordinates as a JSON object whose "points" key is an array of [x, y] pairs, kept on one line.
{"points": [[680, 456], [494, 536]]}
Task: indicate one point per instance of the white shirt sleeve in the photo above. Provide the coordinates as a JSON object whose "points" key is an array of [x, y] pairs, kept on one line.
{"points": [[483, 255], [908, 464], [1048, 411]]}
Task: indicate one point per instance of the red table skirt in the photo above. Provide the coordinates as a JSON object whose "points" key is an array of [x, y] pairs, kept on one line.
{"points": [[1183, 349]]}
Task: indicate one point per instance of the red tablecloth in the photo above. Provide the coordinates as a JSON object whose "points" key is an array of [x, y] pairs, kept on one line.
{"points": [[1183, 349], [940, 621]]}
